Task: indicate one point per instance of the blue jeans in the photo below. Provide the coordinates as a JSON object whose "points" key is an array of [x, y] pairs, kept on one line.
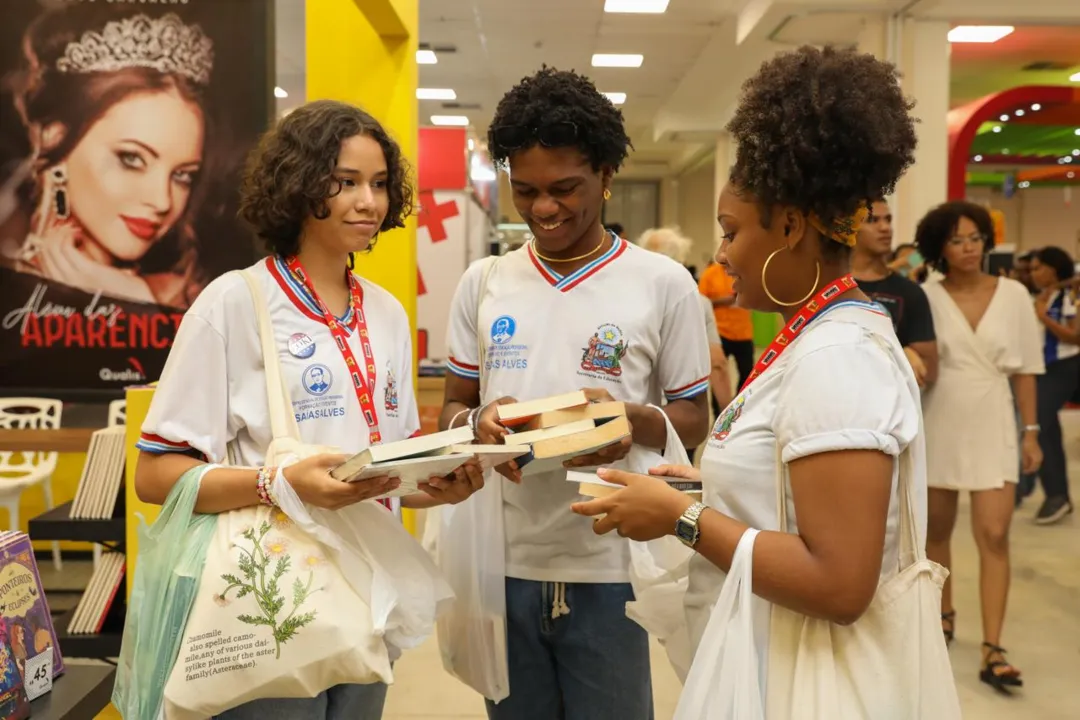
{"points": [[341, 702], [589, 664]]}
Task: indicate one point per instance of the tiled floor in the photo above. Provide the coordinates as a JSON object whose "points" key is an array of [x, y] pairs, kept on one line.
{"points": [[1042, 632]]}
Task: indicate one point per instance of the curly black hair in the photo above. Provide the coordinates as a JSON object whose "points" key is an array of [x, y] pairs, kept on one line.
{"points": [[289, 173], [823, 130], [1058, 259], [938, 226], [558, 96]]}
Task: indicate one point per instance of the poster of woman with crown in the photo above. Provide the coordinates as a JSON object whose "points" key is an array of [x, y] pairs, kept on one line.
{"points": [[123, 130]]}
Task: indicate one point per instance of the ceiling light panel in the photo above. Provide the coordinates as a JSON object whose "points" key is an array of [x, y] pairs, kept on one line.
{"points": [[435, 94], [979, 33], [636, 6], [616, 98], [426, 57], [450, 120], [617, 60]]}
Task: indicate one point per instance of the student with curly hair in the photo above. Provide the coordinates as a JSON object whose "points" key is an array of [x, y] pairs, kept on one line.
{"points": [[833, 402], [320, 186], [557, 316], [991, 353]]}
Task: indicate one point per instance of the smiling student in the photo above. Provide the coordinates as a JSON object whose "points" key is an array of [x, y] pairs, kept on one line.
{"points": [[816, 433], [321, 185], [577, 307]]}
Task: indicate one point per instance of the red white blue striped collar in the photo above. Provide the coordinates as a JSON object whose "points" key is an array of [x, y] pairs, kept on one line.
{"points": [[566, 283]]}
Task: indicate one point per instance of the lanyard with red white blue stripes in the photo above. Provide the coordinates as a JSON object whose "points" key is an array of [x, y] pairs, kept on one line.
{"points": [[365, 392], [827, 296]]}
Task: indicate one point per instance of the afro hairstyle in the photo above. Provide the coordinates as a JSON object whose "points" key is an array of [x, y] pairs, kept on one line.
{"points": [[1058, 259], [558, 96], [826, 131], [938, 226]]}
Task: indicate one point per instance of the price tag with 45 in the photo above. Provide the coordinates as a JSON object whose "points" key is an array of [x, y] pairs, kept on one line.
{"points": [[38, 674]]}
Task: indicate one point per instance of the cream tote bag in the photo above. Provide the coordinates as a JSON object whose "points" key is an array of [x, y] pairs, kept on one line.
{"points": [[891, 664], [293, 600]]}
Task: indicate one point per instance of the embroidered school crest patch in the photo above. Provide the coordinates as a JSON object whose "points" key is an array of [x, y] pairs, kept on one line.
{"points": [[391, 396], [722, 428], [605, 351]]}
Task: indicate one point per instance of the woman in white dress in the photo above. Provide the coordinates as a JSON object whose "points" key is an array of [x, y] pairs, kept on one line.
{"points": [[819, 133], [988, 338]]}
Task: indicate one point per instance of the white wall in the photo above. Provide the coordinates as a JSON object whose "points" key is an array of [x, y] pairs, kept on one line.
{"points": [[1037, 217], [696, 214]]}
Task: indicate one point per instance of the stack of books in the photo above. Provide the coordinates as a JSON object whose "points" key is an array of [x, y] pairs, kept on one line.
{"points": [[561, 428], [100, 594], [545, 434], [102, 475]]}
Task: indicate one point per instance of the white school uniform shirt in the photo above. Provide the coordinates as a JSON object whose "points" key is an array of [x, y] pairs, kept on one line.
{"points": [[833, 389], [1062, 309], [628, 322], [212, 390]]}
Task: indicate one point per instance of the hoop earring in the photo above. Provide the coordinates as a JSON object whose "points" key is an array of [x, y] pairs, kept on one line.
{"points": [[58, 176], [607, 194], [352, 261], [765, 284]]}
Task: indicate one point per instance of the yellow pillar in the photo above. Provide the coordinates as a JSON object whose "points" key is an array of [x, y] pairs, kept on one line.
{"points": [[138, 405], [364, 52]]}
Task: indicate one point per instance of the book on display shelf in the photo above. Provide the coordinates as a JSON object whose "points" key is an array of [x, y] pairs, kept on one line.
{"points": [[23, 606]]}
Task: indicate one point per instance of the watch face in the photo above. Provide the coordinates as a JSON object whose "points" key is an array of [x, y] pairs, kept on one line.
{"points": [[685, 531]]}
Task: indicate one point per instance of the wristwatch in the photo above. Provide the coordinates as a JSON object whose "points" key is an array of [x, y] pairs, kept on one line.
{"points": [[686, 527]]}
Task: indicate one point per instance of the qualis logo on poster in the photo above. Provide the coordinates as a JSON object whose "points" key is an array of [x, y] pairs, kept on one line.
{"points": [[134, 373]]}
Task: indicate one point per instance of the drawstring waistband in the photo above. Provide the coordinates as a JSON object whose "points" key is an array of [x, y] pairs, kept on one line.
{"points": [[558, 605]]}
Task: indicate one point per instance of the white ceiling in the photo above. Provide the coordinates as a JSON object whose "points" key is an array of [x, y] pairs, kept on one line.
{"points": [[696, 54]]}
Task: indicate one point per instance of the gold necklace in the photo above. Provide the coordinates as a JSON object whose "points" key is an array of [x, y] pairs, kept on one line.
{"points": [[566, 260]]}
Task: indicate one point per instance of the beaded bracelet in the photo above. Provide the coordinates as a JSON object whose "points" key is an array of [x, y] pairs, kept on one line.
{"points": [[263, 480], [474, 418]]}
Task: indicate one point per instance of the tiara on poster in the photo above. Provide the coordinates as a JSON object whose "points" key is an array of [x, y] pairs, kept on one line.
{"points": [[164, 44]]}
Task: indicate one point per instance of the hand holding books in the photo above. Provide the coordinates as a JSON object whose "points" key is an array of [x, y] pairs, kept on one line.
{"points": [[610, 453], [491, 431], [458, 485], [312, 482], [646, 508]]}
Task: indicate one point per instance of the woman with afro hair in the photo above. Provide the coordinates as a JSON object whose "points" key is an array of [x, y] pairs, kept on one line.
{"points": [[991, 352], [577, 308], [832, 403]]}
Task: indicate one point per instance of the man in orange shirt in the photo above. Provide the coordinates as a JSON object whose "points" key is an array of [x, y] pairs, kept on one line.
{"points": [[733, 323]]}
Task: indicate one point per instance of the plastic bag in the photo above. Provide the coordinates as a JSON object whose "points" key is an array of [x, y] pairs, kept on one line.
{"points": [[723, 683], [472, 556], [382, 562], [660, 569], [171, 556]]}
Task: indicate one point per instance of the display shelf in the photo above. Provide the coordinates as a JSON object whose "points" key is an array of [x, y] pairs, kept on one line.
{"points": [[81, 693], [105, 644], [57, 524]]}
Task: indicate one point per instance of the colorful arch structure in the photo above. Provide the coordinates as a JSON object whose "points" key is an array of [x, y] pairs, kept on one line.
{"points": [[1057, 105]]}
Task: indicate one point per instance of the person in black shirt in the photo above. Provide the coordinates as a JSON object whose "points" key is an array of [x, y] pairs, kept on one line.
{"points": [[905, 301]]}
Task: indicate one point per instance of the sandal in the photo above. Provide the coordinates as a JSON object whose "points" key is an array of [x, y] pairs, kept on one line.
{"points": [[948, 626], [999, 674]]}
